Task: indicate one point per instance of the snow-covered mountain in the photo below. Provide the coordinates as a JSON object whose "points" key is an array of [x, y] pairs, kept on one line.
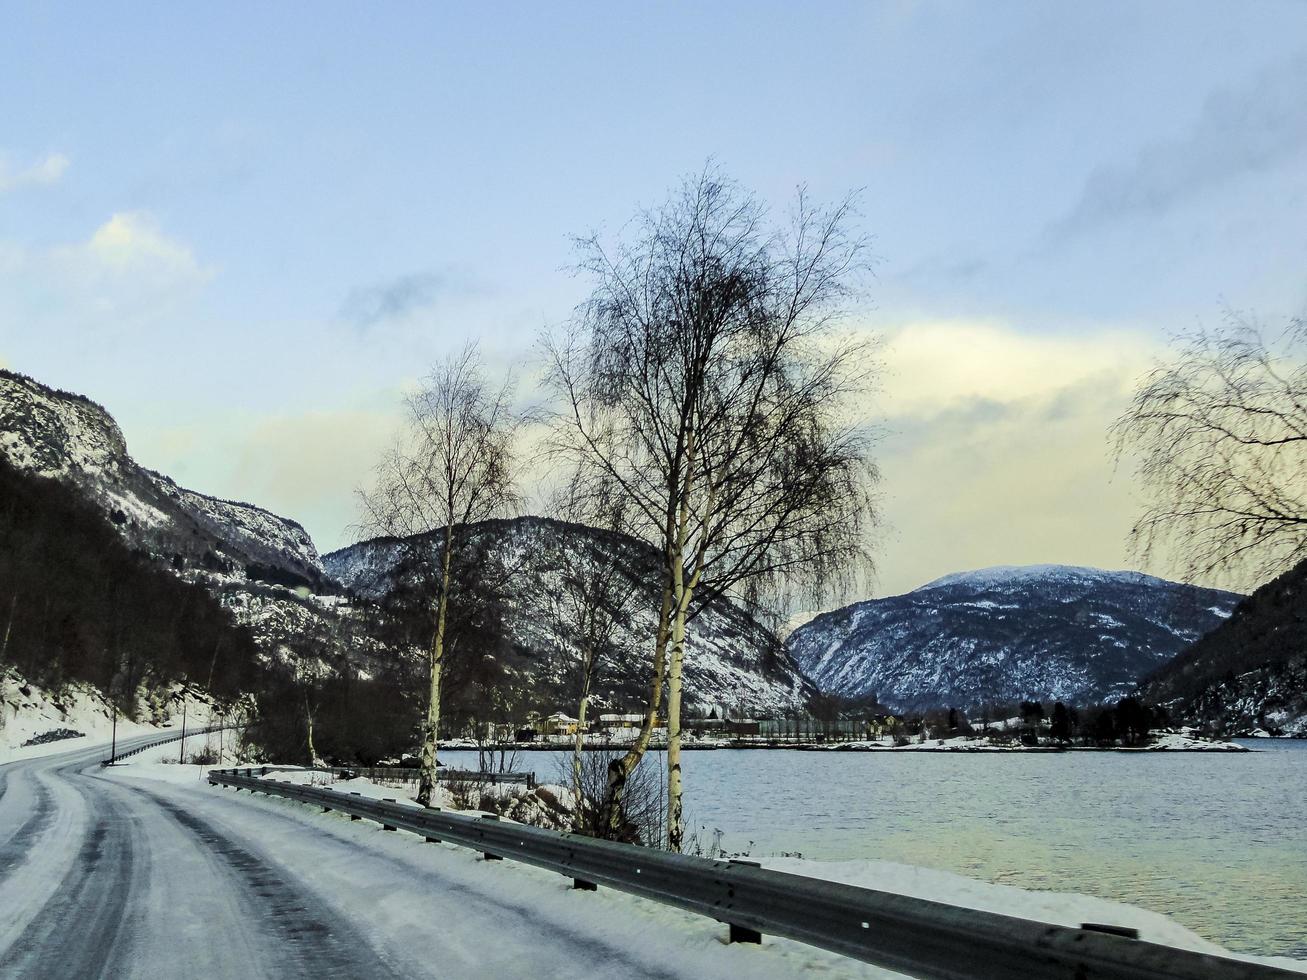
{"points": [[1250, 673], [1007, 633], [261, 566], [266, 570], [731, 659], [71, 438]]}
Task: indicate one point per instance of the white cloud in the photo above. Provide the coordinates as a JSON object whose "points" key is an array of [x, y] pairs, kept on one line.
{"points": [[47, 170], [998, 452], [128, 271], [132, 242], [936, 365]]}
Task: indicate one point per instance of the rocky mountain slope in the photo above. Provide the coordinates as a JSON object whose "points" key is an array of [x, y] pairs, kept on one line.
{"points": [[731, 660], [261, 566], [1078, 635], [1250, 673], [68, 437]]}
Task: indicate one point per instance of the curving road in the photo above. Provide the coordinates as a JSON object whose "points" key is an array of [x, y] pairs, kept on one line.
{"points": [[102, 878], [146, 871]]}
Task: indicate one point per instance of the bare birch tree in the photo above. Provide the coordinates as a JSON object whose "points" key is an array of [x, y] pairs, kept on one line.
{"points": [[450, 468], [1220, 436], [706, 380]]}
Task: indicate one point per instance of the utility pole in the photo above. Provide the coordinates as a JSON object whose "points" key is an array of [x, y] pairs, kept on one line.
{"points": [[181, 752], [113, 738]]}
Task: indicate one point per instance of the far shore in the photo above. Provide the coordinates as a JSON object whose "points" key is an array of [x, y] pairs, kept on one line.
{"points": [[1166, 744]]}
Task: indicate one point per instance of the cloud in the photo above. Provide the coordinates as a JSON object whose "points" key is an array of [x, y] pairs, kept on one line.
{"points": [[133, 240], [937, 365], [1239, 131], [951, 270], [127, 271], [47, 170], [393, 300], [996, 449]]}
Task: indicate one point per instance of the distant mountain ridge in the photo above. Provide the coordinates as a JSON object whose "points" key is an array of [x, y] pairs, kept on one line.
{"points": [[1007, 633], [71, 438]]}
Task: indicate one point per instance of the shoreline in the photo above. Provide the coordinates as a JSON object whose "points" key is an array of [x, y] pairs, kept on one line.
{"points": [[1227, 747]]}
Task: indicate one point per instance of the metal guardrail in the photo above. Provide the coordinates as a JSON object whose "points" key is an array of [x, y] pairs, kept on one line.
{"points": [[911, 935], [175, 737]]}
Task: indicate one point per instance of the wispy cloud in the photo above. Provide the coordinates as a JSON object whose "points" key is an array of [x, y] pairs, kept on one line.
{"points": [[129, 269], [367, 306], [1239, 131], [47, 170]]}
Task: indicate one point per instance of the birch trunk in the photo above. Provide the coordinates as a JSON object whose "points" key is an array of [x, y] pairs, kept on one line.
{"points": [[676, 663], [308, 729], [619, 770], [430, 730], [682, 591]]}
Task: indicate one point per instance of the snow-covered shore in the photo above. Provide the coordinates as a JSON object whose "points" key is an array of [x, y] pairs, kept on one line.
{"points": [[1171, 741], [1180, 740]]}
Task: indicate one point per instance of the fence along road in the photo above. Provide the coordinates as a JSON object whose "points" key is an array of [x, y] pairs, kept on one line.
{"points": [[913, 936]]}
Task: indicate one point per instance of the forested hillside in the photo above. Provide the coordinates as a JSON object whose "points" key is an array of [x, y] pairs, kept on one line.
{"points": [[77, 604], [1250, 673]]}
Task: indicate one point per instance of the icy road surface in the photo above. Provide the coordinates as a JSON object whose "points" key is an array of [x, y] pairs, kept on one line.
{"points": [[146, 871]]}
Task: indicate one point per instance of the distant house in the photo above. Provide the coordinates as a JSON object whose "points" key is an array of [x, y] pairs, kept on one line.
{"points": [[558, 724], [743, 726]]}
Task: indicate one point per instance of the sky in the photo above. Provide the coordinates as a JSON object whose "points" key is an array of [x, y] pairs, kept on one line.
{"points": [[247, 228]]}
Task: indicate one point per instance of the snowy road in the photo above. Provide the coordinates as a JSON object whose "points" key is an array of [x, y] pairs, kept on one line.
{"points": [[104, 879], [146, 871]]}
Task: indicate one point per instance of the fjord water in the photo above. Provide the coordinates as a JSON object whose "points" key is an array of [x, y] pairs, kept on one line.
{"points": [[1218, 841]]}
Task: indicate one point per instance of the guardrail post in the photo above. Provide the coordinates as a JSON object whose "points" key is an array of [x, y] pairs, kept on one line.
{"points": [[433, 840], [486, 854], [585, 886], [386, 826], [743, 934]]}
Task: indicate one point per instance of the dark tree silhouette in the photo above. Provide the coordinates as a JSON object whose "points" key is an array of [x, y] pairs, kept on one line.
{"points": [[1220, 436]]}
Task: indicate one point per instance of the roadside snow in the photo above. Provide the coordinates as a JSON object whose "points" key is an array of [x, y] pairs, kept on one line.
{"points": [[27, 711]]}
